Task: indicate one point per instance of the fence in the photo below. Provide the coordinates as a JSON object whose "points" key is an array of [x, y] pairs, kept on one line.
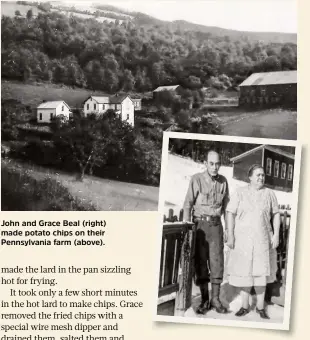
{"points": [[177, 256]]}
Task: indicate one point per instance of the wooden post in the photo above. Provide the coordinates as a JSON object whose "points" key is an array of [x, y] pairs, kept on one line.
{"points": [[286, 246], [183, 299]]}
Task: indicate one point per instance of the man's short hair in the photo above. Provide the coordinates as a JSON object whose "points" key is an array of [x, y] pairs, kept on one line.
{"points": [[212, 150]]}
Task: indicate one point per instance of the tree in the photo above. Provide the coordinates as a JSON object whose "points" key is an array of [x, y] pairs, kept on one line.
{"points": [[80, 141], [91, 141], [17, 13], [128, 81], [29, 14]]}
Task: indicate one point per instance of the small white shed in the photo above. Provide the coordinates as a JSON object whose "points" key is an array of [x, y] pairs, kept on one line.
{"points": [[48, 110]]}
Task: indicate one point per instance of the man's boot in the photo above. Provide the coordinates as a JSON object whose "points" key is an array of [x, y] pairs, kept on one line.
{"points": [[204, 305], [215, 301]]}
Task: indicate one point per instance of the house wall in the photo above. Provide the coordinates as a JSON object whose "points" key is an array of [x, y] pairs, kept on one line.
{"points": [[127, 111], [276, 182], [100, 108], [46, 115], [268, 95], [241, 167], [137, 105], [63, 110]]}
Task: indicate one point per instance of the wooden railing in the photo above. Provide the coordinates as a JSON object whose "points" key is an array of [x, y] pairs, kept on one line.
{"points": [[282, 249], [177, 253], [177, 259]]}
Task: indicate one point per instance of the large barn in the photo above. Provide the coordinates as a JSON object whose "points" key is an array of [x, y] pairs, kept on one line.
{"points": [[278, 165], [269, 89]]}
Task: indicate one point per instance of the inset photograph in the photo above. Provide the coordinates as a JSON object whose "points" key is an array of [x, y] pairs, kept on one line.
{"points": [[228, 207]]}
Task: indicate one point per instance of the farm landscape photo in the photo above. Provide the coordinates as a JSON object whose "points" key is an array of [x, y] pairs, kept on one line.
{"points": [[87, 90]]}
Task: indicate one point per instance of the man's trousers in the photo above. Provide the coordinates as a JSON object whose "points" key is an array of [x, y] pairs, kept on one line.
{"points": [[209, 252]]}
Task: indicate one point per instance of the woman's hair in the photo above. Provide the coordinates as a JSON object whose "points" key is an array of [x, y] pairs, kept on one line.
{"points": [[253, 168]]}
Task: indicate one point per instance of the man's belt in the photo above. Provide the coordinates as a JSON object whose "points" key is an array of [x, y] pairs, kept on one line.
{"points": [[208, 218]]}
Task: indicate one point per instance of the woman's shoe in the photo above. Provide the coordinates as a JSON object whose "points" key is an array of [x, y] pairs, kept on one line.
{"points": [[242, 311], [262, 313]]}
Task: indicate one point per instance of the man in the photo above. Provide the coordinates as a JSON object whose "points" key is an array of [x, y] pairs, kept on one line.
{"points": [[206, 201]]}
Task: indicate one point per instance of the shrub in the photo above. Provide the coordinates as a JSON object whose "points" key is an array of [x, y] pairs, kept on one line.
{"points": [[21, 192]]}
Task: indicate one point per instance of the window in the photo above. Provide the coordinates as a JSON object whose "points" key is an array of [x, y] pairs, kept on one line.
{"points": [[51, 115], [62, 109], [290, 172], [102, 106], [283, 170], [127, 116], [268, 166], [95, 106], [40, 116], [87, 106], [276, 169]]}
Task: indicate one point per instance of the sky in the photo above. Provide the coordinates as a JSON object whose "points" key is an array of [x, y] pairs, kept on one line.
{"points": [[243, 15]]}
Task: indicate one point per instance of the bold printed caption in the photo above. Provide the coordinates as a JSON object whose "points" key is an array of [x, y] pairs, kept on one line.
{"points": [[47, 233]]}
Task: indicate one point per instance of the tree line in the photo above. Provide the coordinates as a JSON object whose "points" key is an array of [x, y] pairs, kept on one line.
{"points": [[112, 57]]}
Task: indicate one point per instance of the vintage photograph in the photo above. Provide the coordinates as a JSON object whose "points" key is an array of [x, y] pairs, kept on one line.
{"points": [[89, 88], [228, 208]]}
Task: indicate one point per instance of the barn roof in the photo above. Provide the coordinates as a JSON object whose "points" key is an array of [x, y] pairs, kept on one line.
{"points": [[267, 147], [271, 78], [52, 104], [166, 88]]}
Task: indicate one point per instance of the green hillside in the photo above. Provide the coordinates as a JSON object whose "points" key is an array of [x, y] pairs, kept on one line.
{"points": [[32, 95]]}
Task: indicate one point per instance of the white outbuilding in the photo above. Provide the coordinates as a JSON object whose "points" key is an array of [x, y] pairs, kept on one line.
{"points": [[46, 111]]}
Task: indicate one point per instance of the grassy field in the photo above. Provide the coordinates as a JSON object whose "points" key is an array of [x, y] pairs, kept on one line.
{"points": [[273, 123], [101, 194], [34, 94], [21, 191], [8, 8]]}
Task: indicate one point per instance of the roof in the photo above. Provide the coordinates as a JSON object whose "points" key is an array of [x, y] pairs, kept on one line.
{"points": [[166, 88], [99, 100], [52, 104], [271, 78], [136, 99], [117, 99], [267, 147]]}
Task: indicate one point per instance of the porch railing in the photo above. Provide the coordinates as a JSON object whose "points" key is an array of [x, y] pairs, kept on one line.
{"points": [[177, 253]]}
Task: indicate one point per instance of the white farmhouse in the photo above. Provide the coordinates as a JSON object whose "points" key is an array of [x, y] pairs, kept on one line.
{"points": [[121, 104], [48, 110]]}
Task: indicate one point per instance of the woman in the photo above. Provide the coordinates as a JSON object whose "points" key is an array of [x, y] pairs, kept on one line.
{"points": [[252, 240]]}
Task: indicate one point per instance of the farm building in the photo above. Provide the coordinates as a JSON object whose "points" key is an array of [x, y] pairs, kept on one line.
{"points": [[269, 89], [173, 89], [278, 165], [46, 111], [122, 104]]}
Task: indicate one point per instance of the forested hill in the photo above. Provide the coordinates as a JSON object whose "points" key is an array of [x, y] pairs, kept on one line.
{"points": [[113, 56], [143, 19]]}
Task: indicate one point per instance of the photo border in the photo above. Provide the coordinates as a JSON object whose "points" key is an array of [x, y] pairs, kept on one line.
{"points": [[292, 235]]}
